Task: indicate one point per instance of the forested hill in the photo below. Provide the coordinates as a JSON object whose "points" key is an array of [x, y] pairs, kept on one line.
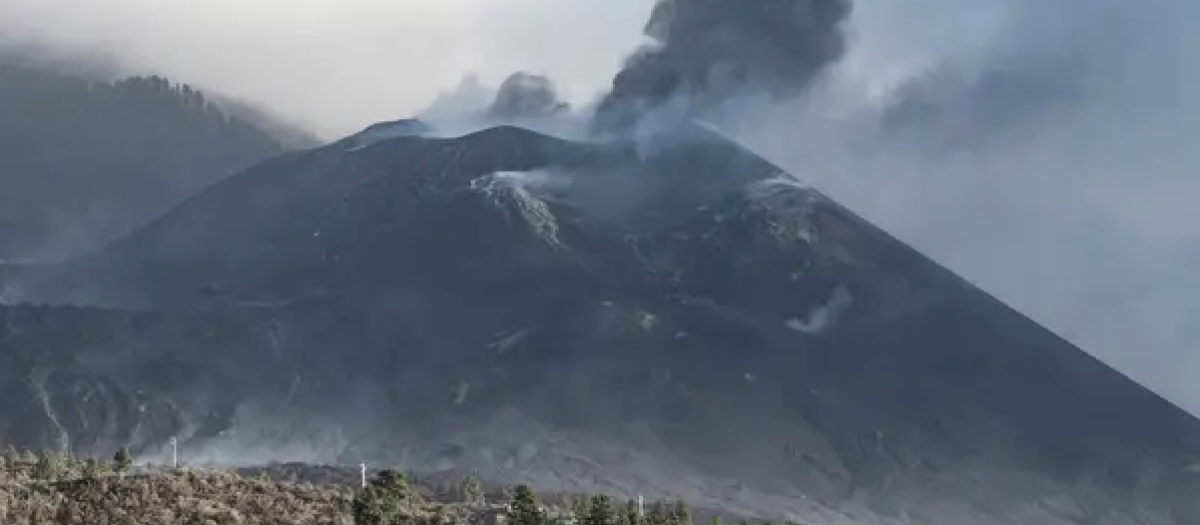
{"points": [[84, 161]]}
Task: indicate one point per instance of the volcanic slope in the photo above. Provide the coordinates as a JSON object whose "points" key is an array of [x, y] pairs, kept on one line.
{"points": [[675, 317]]}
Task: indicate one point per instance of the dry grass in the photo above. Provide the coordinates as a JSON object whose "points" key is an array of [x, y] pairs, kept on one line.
{"points": [[69, 492], [184, 497], [53, 490]]}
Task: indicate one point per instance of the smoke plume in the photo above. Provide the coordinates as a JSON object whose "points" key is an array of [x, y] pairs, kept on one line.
{"points": [[526, 95], [706, 51]]}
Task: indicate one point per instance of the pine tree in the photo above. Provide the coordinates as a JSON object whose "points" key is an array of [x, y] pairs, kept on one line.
{"points": [[122, 460], [658, 514], [524, 509], [601, 511], [631, 516], [381, 502], [681, 515], [579, 507]]}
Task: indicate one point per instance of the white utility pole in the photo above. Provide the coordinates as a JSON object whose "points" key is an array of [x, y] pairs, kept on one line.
{"points": [[641, 506], [362, 469], [174, 453]]}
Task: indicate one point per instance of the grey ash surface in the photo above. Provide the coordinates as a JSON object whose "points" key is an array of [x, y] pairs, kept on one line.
{"points": [[675, 317]]}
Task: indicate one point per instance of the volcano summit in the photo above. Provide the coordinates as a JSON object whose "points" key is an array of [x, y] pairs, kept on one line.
{"points": [[673, 316]]}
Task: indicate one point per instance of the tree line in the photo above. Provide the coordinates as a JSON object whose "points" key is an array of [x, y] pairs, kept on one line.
{"points": [[387, 496]]}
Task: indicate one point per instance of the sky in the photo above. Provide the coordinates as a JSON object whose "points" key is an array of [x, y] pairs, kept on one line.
{"points": [[1043, 149], [339, 65]]}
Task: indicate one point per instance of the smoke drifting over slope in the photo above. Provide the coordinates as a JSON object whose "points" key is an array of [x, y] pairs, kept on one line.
{"points": [[1046, 156]]}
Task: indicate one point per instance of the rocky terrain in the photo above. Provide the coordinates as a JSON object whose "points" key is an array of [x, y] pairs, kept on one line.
{"points": [[672, 316]]}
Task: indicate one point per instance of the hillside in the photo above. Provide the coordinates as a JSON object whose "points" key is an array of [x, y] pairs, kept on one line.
{"points": [[85, 161], [673, 316]]}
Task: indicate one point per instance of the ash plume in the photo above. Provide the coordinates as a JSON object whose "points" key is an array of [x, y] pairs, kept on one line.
{"points": [[524, 95], [706, 51]]}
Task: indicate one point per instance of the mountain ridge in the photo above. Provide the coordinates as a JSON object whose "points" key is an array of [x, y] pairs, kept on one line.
{"points": [[87, 159]]}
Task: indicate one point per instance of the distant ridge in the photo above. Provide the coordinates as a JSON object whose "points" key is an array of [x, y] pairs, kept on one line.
{"points": [[85, 159]]}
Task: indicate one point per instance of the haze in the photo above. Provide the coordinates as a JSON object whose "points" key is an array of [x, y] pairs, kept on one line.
{"points": [[1057, 169], [339, 65]]}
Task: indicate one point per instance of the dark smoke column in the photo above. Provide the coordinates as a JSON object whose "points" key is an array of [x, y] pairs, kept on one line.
{"points": [[708, 50]]}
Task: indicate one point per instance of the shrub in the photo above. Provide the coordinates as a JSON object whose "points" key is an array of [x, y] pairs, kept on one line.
{"points": [[382, 501], [524, 508], [122, 460]]}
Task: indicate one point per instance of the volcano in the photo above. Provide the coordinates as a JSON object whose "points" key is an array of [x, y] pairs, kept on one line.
{"points": [[672, 316]]}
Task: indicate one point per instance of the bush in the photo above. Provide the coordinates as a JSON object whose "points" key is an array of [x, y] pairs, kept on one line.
{"points": [[122, 460], [600, 512], [382, 501], [524, 508], [50, 466], [93, 468]]}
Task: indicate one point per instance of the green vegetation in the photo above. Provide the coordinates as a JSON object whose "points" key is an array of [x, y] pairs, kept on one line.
{"points": [[631, 514], [51, 489], [524, 509], [600, 512], [384, 501], [122, 460]]}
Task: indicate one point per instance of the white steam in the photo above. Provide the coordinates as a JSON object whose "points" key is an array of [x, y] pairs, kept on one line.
{"points": [[525, 193], [825, 315], [260, 435]]}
